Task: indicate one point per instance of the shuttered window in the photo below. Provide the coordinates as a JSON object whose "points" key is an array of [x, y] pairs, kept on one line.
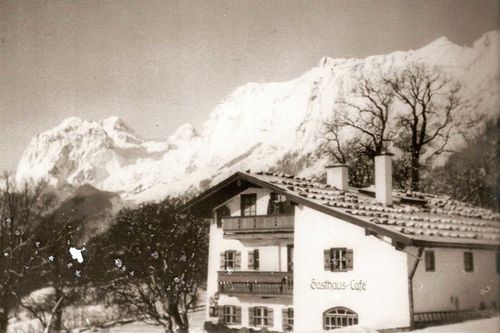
{"points": [[498, 262], [430, 264], [287, 316], [230, 260], [248, 204], [468, 262], [338, 259], [253, 260], [229, 314], [260, 316]]}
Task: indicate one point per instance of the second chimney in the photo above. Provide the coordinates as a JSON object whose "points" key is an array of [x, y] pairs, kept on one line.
{"points": [[383, 178], [336, 175]]}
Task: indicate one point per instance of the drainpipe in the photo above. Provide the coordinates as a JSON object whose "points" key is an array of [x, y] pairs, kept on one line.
{"points": [[410, 286]]}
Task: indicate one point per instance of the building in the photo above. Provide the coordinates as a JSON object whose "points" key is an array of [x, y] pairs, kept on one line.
{"points": [[289, 253]]}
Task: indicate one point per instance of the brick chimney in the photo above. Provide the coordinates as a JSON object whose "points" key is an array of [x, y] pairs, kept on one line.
{"points": [[383, 178], [336, 175]]}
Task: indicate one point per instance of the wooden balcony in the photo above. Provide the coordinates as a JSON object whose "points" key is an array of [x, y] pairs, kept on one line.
{"points": [[259, 224], [256, 283]]}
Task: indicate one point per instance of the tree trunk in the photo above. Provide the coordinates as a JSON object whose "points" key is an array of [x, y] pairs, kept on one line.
{"points": [[57, 323], [183, 325], [4, 320], [415, 171], [167, 324]]}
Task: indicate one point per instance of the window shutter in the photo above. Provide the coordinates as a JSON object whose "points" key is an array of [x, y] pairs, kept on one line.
{"points": [[328, 259], [237, 311], [270, 317], [349, 257], [251, 262], [237, 260], [222, 261], [284, 321], [256, 259], [220, 314], [251, 316]]}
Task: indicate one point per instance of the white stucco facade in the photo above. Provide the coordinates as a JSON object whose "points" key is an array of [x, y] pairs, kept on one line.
{"points": [[376, 289], [449, 287], [273, 258], [377, 265]]}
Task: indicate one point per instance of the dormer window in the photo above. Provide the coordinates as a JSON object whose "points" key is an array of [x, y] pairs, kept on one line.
{"points": [[249, 204]]}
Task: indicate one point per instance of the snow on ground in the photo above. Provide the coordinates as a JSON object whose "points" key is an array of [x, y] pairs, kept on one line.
{"points": [[196, 320], [490, 325]]}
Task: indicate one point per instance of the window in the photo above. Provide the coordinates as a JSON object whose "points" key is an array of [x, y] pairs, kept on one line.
{"points": [[289, 256], [248, 204], [338, 259], [430, 265], [229, 314], [278, 204], [230, 260], [260, 316], [253, 259], [468, 262], [498, 262], [339, 317], [212, 311], [287, 319]]}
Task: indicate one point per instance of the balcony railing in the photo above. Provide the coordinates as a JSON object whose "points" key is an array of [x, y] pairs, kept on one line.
{"points": [[258, 224], [256, 283]]}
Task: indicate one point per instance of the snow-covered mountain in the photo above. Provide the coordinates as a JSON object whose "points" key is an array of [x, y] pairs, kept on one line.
{"points": [[259, 126]]}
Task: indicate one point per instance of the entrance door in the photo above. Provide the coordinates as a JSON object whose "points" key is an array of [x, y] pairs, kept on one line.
{"points": [[289, 252]]}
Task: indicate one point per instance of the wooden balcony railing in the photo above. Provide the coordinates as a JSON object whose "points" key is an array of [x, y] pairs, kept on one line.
{"points": [[255, 283], [258, 224], [423, 319]]}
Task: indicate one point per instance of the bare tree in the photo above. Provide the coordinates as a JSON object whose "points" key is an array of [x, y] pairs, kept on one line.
{"points": [[369, 111], [154, 259], [368, 114], [471, 174], [43, 308], [333, 146], [57, 270], [20, 210], [429, 99]]}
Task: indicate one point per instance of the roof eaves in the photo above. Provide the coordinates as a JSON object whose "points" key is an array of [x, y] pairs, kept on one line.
{"points": [[442, 243], [330, 211], [208, 192]]}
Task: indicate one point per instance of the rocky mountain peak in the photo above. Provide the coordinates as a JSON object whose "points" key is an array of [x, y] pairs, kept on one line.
{"points": [[259, 126]]}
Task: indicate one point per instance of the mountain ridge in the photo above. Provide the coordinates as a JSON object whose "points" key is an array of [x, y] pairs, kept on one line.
{"points": [[258, 126]]}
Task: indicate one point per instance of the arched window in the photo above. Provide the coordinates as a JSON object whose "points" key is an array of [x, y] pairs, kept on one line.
{"points": [[339, 317], [222, 212]]}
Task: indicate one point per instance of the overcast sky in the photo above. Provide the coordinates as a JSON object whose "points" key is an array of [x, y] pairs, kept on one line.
{"points": [[159, 64]]}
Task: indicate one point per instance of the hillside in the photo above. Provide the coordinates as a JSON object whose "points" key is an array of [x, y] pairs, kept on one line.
{"points": [[259, 126], [91, 208]]}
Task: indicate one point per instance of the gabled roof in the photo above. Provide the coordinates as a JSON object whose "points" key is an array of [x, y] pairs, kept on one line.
{"points": [[430, 221]]}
